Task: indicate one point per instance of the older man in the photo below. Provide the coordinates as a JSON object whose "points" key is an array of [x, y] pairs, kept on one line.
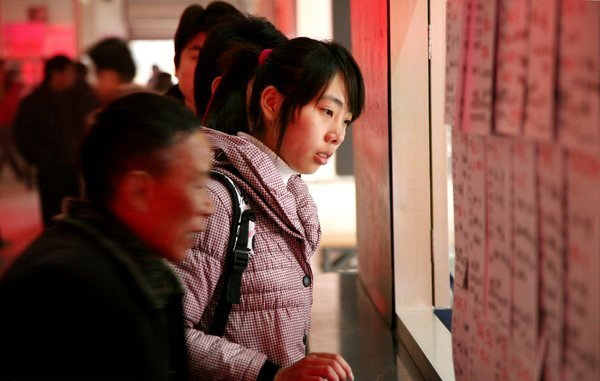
{"points": [[92, 297]]}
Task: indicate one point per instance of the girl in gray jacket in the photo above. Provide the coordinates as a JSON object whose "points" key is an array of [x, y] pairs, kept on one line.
{"points": [[302, 97]]}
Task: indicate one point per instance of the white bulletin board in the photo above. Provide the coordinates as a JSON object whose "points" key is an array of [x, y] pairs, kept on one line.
{"points": [[523, 98]]}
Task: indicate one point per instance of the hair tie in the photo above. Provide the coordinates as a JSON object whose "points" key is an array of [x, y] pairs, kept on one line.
{"points": [[263, 56]]}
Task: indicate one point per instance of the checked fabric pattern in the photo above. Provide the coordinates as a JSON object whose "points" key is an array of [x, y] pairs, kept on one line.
{"points": [[273, 318]]}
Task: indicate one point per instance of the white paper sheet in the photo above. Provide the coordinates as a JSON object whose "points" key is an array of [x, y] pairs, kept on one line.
{"points": [[541, 74], [552, 199], [484, 355], [579, 76], [479, 73], [525, 366], [456, 33], [499, 232], [476, 227], [461, 321], [460, 176], [582, 326], [526, 251], [511, 66]]}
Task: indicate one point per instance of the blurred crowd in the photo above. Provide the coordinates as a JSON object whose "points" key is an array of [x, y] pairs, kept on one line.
{"points": [[150, 266], [42, 126]]}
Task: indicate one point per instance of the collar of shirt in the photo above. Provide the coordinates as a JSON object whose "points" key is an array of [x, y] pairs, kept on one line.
{"points": [[284, 170]]}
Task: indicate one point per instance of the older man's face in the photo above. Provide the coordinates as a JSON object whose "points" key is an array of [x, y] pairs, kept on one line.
{"points": [[180, 203]]}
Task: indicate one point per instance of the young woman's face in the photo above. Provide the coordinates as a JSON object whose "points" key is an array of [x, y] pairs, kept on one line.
{"points": [[317, 130]]}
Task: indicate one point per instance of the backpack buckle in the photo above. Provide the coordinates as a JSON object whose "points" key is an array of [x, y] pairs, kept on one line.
{"points": [[240, 259]]}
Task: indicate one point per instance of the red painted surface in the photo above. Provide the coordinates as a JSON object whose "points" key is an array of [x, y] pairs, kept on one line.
{"points": [[30, 43], [371, 147]]}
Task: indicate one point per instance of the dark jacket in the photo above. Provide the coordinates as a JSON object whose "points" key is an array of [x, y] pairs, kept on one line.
{"points": [[175, 93], [49, 126], [88, 301]]}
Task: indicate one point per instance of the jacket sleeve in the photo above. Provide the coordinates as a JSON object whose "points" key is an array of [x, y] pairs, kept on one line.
{"points": [[212, 357]]}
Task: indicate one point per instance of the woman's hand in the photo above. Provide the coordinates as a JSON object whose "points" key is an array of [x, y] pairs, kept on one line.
{"points": [[317, 367]]}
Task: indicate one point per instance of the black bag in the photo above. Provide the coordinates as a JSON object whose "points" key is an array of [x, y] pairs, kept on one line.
{"points": [[239, 249]]}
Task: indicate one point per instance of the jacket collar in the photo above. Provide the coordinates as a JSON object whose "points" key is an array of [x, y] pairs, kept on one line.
{"points": [[150, 272], [284, 170], [290, 204]]}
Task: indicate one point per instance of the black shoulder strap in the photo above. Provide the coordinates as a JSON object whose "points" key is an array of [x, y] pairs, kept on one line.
{"points": [[239, 249]]}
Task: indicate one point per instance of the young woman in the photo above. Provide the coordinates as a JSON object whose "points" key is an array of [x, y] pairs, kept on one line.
{"points": [[304, 96]]}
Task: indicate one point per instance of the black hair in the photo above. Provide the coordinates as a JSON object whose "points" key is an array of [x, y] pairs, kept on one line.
{"points": [[226, 110], [112, 53], [55, 64], [195, 19], [132, 132], [189, 26], [163, 82], [231, 48], [81, 70], [301, 70], [220, 11]]}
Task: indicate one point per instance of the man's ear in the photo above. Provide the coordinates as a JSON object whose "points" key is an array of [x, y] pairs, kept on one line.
{"points": [[137, 189], [270, 101], [215, 84]]}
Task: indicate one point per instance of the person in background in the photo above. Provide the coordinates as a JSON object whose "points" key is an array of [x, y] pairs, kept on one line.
{"points": [[194, 26], [303, 97], [153, 77], [114, 69], [163, 82], [11, 93], [48, 129], [229, 106], [92, 298], [84, 93]]}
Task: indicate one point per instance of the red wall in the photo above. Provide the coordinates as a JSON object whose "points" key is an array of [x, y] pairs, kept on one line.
{"points": [[370, 35]]}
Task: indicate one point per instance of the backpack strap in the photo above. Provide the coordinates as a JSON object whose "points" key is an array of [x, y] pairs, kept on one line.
{"points": [[239, 250]]}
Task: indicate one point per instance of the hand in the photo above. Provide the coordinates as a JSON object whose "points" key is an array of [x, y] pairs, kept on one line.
{"points": [[317, 367]]}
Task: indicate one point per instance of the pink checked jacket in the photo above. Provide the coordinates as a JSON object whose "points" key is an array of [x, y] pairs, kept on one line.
{"points": [[273, 319]]}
